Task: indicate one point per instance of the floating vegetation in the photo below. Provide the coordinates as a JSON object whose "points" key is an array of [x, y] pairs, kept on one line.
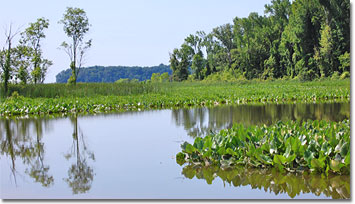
{"points": [[293, 146], [166, 95], [272, 180]]}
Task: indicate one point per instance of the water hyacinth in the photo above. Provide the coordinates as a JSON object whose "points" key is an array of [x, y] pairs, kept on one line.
{"points": [[317, 146]]}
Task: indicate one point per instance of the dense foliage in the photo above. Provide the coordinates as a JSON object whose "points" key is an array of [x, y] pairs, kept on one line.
{"points": [[24, 63], [320, 146], [113, 73], [305, 39], [92, 98]]}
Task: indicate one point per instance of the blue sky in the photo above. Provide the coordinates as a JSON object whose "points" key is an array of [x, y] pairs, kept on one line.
{"points": [[125, 32]]}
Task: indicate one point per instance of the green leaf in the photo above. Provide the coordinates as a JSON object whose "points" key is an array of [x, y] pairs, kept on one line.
{"points": [[338, 147], [335, 165], [221, 151], [208, 142], [279, 159], [290, 158], [317, 164], [347, 159], [207, 154], [273, 149], [230, 151], [183, 145], [189, 148], [308, 156], [344, 149], [295, 145], [288, 151], [198, 144], [265, 159], [180, 158]]}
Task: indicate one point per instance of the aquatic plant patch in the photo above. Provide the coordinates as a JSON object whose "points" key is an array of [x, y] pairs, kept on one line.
{"points": [[166, 95], [317, 146]]}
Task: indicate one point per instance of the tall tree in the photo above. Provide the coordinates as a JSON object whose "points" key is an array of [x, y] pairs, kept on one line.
{"points": [[5, 59], [225, 35], [197, 64], [75, 25], [180, 61], [323, 56], [300, 38], [279, 12], [32, 37], [22, 59]]}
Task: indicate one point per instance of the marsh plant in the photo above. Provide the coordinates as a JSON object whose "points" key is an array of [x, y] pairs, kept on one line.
{"points": [[316, 146]]}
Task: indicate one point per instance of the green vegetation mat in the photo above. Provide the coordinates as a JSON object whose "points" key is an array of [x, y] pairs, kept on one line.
{"points": [[94, 98], [317, 146]]}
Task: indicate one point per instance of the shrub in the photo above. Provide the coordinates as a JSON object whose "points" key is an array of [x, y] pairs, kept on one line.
{"points": [[345, 75], [335, 75]]}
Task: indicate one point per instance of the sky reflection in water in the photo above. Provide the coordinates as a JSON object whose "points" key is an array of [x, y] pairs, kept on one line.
{"points": [[132, 155]]}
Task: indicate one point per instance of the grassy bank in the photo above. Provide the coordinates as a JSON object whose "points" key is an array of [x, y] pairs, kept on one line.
{"points": [[318, 146], [61, 98]]}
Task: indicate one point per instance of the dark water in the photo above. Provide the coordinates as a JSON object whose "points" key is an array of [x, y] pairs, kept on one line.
{"points": [[132, 155]]}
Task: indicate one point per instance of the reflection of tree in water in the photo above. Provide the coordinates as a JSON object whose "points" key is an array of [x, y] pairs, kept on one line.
{"points": [[80, 174], [17, 143], [335, 186], [201, 121]]}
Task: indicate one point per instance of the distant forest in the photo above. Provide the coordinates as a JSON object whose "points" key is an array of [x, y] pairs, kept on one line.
{"points": [[113, 73]]}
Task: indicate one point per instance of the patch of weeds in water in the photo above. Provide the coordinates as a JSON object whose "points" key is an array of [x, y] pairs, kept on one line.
{"points": [[174, 95], [293, 146]]}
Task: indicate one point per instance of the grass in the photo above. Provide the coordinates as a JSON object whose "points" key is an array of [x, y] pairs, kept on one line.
{"points": [[103, 97], [294, 146]]}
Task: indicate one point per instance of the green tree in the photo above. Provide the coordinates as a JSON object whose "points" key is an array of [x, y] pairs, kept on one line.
{"points": [[195, 42], [164, 77], [180, 61], [336, 15], [32, 37], [155, 77], [252, 45], [21, 58], [323, 56], [198, 63], [279, 12], [300, 37], [75, 25], [5, 59], [344, 60], [225, 36]]}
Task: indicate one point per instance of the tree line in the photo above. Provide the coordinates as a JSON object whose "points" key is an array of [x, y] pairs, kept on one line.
{"points": [[113, 73], [24, 63], [305, 39]]}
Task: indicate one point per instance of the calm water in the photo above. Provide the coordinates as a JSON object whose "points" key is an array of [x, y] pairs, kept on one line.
{"points": [[132, 155]]}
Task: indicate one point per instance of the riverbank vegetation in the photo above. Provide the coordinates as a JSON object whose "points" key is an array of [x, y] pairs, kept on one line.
{"points": [[300, 39], [103, 97], [316, 146]]}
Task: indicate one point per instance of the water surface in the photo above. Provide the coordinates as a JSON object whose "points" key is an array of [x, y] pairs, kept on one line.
{"points": [[132, 155]]}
